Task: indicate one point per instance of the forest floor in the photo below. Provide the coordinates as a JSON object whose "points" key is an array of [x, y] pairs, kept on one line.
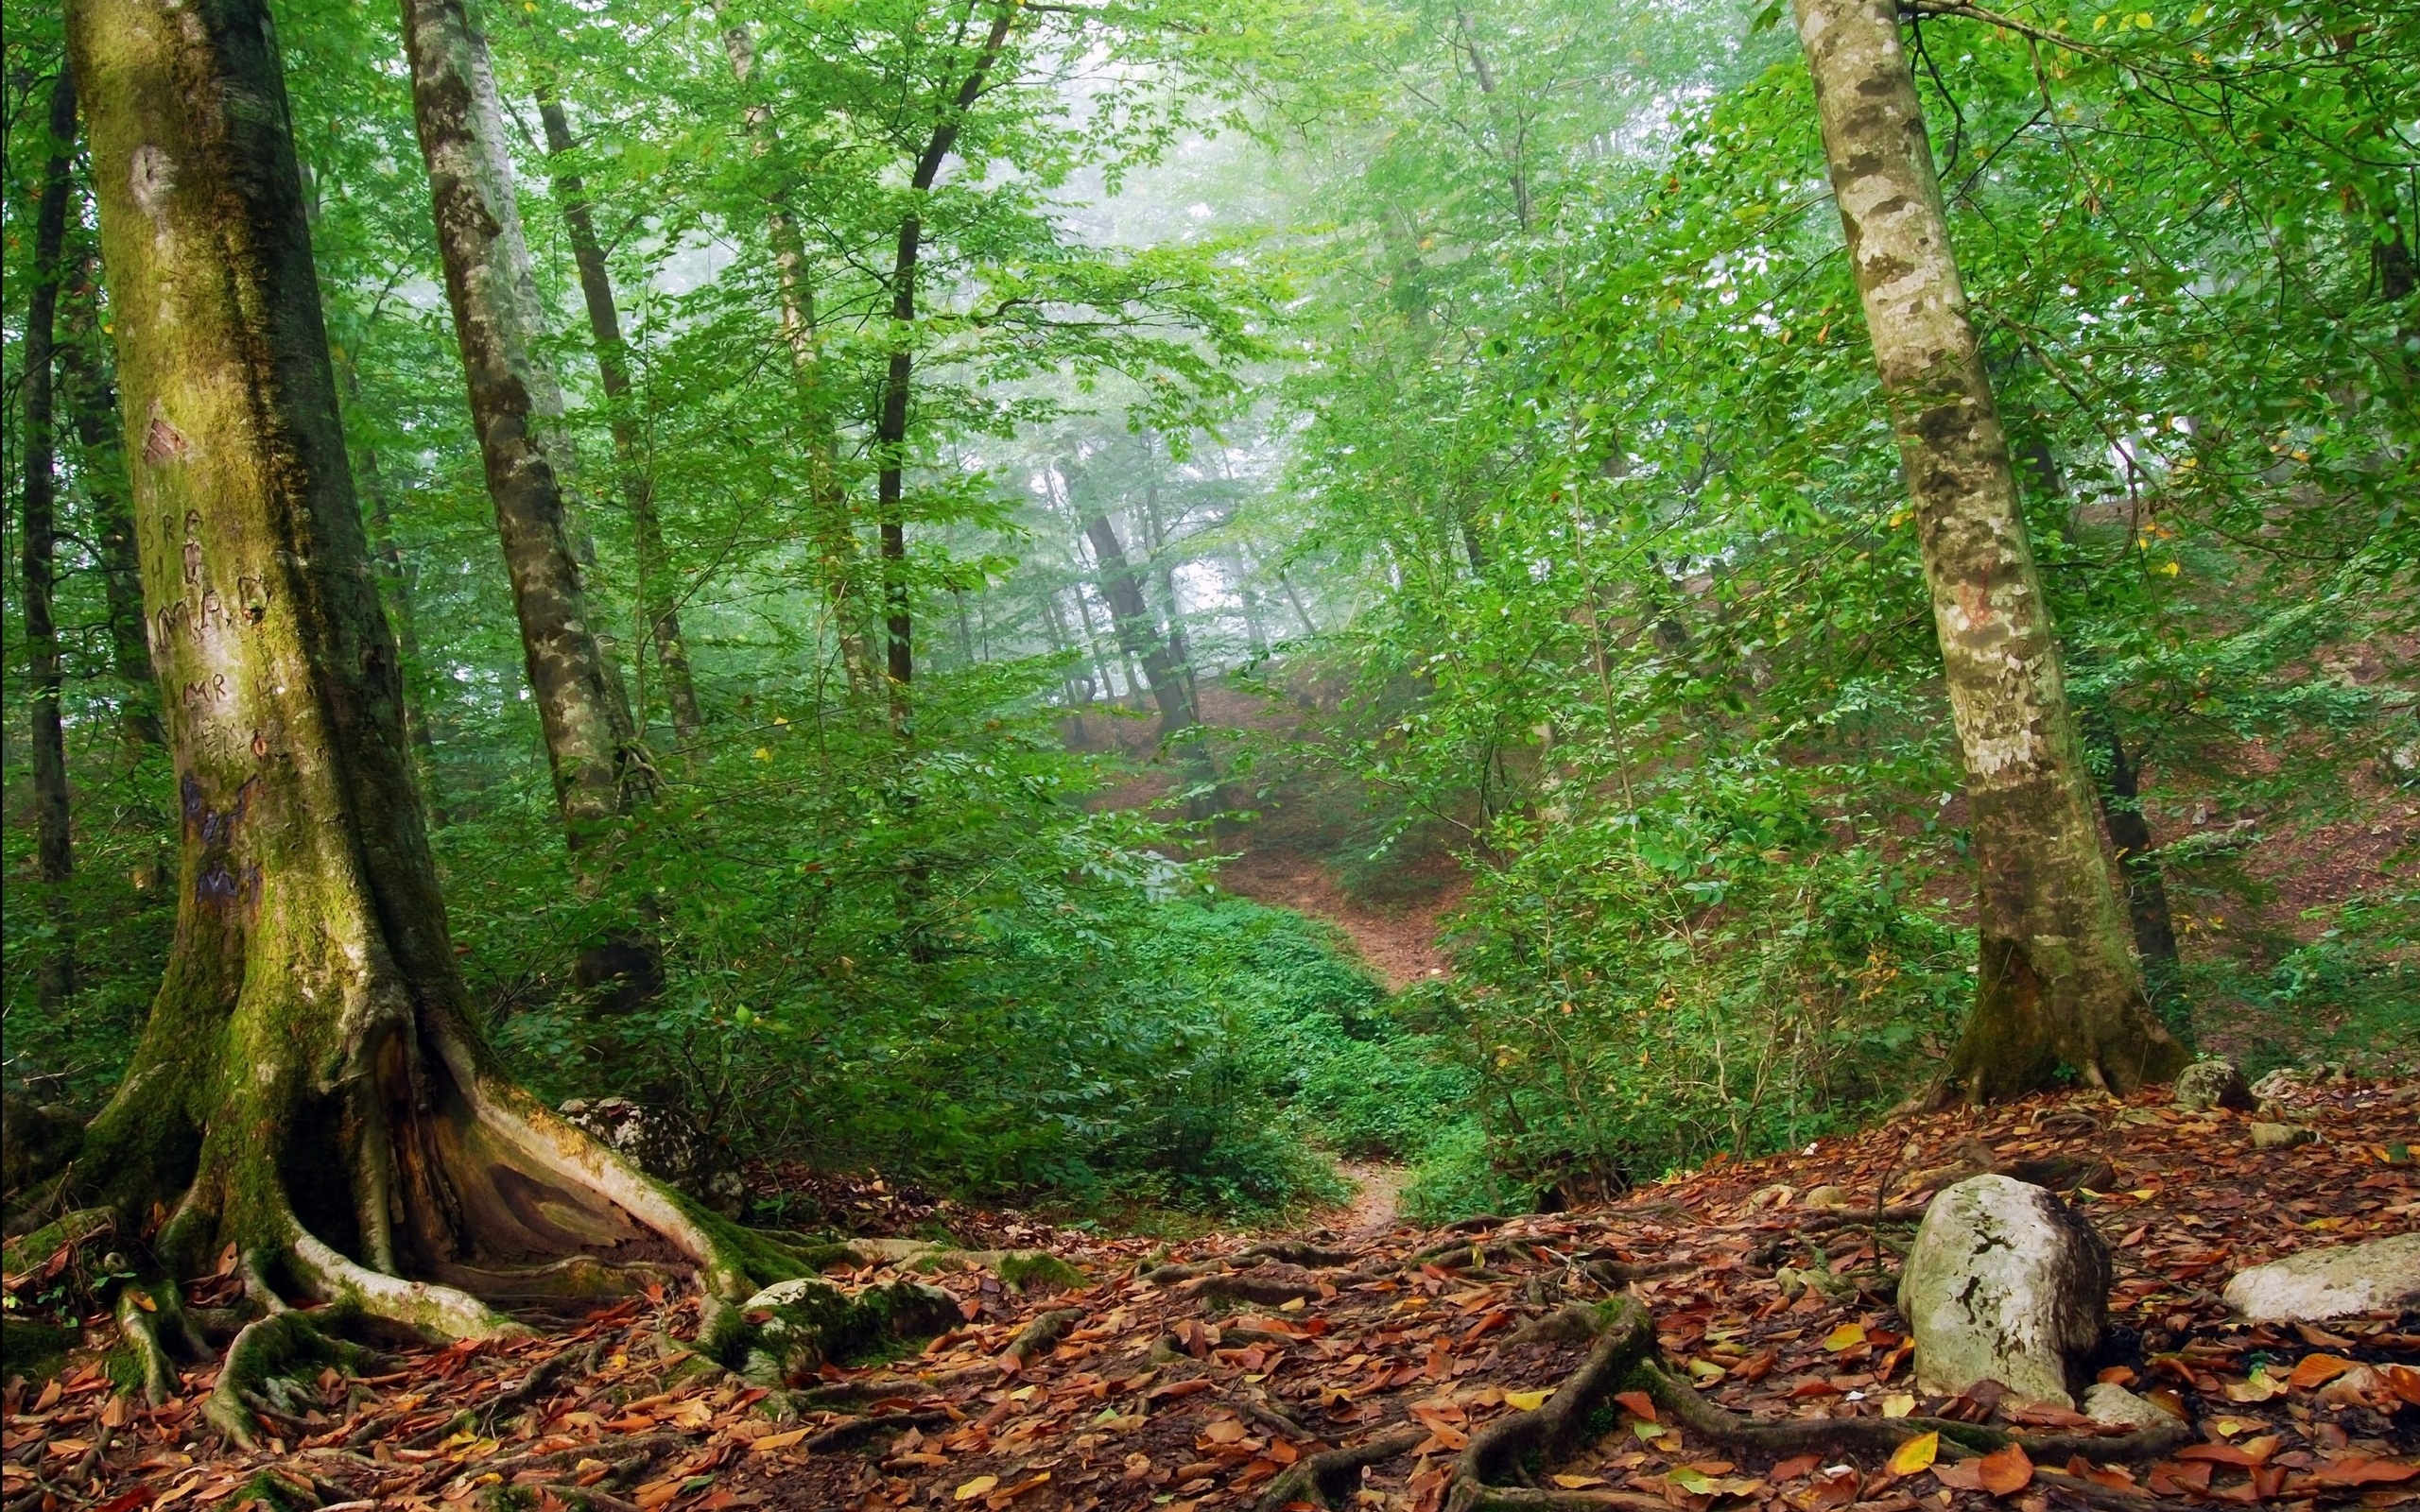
{"points": [[1209, 1376]]}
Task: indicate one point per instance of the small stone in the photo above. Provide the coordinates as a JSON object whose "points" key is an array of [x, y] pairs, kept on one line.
{"points": [[1827, 1196], [2108, 1402], [2004, 1284], [2207, 1084], [2281, 1136], [2379, 1276]]}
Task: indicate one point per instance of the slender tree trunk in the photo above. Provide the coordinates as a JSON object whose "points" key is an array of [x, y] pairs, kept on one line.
{"points": [[1162, 568], [2058, 985], [1295, 601], [90, 395], [2130, 835], [834, 533], [54, 855], [1515, 173], [1136, 634], [1255, 636], [514, 407], [891, 425], [656, 599], [1091, 642], [1077, 688], [395, 575], [310, 1086]]}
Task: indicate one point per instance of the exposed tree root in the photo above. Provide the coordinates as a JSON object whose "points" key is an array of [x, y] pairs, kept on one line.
{"points": [[1494, 1472], [857, 1430], [135, 1326], [620, 1453], [1248, 1286], [1614, 1274], [69, 1234], [1299, 1252], [1043, 1332], [253, 1386], [1328, 1477], [1882, 1434]]}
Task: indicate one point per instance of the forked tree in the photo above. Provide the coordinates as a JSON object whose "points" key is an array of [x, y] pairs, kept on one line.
{"points": [[311, 1088], [2058, 985]]}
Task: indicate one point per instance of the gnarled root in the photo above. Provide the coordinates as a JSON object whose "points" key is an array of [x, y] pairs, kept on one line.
{"points": [[1880, 1435], [1492, 1474], [142, 1337], [255, 1383], [1328, 1477]]}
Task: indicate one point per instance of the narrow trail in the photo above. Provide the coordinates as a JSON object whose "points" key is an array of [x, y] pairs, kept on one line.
{"points": [[1378, 1189]]}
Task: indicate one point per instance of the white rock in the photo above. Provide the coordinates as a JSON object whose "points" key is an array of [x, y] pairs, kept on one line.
{"points": [[2004, 1284], [2108, 1402], [2379, 1276]]}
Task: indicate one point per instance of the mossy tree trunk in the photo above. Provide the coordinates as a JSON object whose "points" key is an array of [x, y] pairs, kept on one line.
{"points": [[2058, 987], [310, 1086], [516, 409], [54, 853], [2130, 837], [657, 599]]}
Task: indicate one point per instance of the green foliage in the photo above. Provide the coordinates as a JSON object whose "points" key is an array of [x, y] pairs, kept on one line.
{"points": [[1483, 383]]}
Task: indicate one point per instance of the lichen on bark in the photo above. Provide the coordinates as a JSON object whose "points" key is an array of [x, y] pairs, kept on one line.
{"points": [[2057, 984]]}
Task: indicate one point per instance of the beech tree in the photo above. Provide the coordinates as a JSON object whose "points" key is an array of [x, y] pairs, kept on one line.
{"points": [[2058, 984], [311, 1087], [517, 410]]}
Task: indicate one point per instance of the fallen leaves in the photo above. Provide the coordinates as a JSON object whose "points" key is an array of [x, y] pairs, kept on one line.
{"points": [[2354, 1469], [1915, 1455]]}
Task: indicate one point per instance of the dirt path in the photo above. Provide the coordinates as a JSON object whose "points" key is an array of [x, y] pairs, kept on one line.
{"points": [[1376, 1189], [1399, 944]]}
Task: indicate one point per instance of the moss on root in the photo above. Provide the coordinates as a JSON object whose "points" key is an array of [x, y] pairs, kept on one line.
{"points": [[1031, 1270], [797, 1327]]}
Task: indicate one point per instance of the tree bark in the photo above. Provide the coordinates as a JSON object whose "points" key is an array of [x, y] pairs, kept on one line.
{"points": [[2057, 988], [1136, 634], [515, 408], [1180, 645], [310, 1086], [834, 532], [656, 599], [2130, 835], [54, 853], [891, 425], [90, 395]]}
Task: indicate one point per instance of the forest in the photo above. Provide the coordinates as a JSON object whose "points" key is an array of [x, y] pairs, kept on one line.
{"points": [[657, 650]]}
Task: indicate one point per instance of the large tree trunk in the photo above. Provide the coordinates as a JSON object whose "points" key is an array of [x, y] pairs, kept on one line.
{"points": [[310, 1087], [2058, 985], [515, 408], [656, 598], [54, 855]]}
